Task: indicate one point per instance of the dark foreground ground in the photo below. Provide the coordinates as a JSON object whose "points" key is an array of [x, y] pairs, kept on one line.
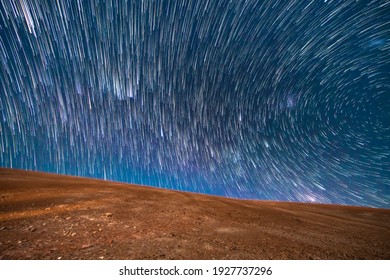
{"points": [[45, 216]]}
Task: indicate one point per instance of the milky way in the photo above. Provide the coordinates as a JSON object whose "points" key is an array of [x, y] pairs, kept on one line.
{"points": [[279, 99]]}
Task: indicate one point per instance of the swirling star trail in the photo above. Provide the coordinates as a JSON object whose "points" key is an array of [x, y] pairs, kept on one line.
{"points": [[279, 99]]}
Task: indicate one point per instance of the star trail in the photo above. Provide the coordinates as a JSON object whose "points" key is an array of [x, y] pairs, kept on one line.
{"points": [[272, 100]]}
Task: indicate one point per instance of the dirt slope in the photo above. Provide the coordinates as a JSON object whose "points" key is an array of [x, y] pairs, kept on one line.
{"points": [[46, 216]]}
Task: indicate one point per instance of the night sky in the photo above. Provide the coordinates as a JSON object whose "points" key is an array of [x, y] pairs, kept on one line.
{"points": [[271, 100]]}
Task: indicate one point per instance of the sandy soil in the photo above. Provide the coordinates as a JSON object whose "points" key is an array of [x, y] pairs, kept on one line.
{"points": [[46, 216]]}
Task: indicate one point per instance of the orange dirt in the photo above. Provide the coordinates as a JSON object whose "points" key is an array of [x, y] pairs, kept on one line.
{"points": [[46, 216]]}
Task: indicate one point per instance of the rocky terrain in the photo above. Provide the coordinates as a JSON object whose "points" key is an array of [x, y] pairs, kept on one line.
{"points": [[47, 216]]}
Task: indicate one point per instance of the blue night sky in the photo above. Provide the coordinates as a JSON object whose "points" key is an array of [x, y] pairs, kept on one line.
{"points": [[276, 100]]}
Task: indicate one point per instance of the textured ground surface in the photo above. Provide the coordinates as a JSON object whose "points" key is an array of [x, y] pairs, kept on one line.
{"points": [[44, 216]]}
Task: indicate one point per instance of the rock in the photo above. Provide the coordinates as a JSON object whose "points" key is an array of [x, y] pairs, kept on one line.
{"points": [[108, 215], [31, 229], [86, 246]]}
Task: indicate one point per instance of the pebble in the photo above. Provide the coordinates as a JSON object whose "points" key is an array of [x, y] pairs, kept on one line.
{"points": [[31, 229]]}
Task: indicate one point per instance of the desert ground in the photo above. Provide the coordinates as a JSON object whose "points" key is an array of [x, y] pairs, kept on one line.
{"points": [[47, 216]]}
